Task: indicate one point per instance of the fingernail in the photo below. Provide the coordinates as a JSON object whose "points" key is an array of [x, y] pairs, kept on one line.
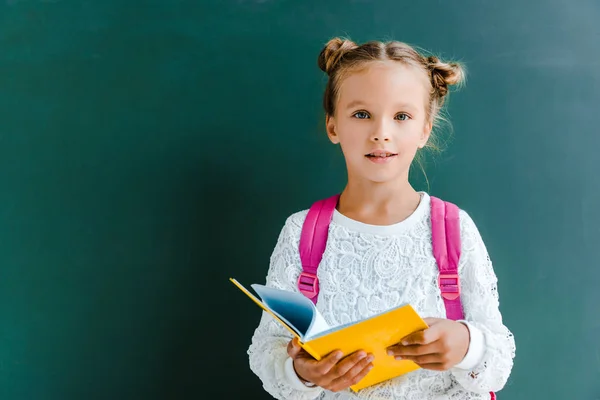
{"points": [[399, 358], [338, 355], [390, 353], [370, 368], [404, 343], [371, 358]]}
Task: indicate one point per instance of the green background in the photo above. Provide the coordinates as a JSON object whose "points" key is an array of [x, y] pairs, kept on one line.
{"points": [[143, 145]]}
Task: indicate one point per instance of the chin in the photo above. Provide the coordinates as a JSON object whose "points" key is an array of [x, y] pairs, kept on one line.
{"points": [[378, 175], [383, 178]]}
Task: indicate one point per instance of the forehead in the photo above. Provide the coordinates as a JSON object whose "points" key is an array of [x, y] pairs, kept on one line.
{"points": [[384, 83]]}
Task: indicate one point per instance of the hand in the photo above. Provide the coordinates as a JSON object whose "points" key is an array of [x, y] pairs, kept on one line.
{"points": [[332, 372], [440, 347]]}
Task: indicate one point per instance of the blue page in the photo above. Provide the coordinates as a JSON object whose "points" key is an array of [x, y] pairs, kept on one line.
{"points": [[293, 308]]}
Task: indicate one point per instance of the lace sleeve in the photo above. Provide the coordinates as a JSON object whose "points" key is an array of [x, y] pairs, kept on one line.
{"points": [[481, 308], [268, 349]]}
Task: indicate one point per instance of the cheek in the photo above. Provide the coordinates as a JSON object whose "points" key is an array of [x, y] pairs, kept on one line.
{"points": [[352, 134], [407, 135], [408, 143]]}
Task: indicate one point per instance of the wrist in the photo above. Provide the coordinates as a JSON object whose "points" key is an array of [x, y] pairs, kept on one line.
{"points": [[468, 335], [294, 378], [297, 373], [303, 380], [475, 348]]}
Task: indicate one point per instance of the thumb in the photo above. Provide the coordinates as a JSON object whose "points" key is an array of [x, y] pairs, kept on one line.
{"points": [[294, 348]]}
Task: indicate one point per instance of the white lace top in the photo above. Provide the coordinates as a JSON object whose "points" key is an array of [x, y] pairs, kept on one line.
{"points": [[368, 269]]}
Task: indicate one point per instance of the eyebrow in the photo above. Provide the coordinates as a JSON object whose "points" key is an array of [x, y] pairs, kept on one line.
{"points": [[356, 103]]}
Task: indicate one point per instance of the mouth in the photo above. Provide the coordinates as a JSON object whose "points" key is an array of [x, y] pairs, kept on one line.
{"points": [[381, 154]]}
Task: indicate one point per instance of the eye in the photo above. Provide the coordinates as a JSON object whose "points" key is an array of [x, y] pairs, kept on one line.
{"points": [[402, 116], [361, 115]]}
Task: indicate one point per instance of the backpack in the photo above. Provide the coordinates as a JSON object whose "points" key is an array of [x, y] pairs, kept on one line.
{"points": [[446, 243]]}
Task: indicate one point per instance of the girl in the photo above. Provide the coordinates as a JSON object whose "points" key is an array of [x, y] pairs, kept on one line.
{"points": [[381, 102]]}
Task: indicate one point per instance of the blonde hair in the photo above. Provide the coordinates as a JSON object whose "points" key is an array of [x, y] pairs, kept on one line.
{"points": [[340, 57]]}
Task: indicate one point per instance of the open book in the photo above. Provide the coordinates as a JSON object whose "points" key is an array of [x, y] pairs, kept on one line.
{"points": [[374, 335]]}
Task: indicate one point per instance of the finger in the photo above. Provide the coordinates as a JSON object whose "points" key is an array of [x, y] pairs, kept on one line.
{"points": [[290, 348], [360, 376], [413, 339], [293, 348], [353, 375], [326, 364], [425, 336], [414, 350], [347, 363], [435, 358]]}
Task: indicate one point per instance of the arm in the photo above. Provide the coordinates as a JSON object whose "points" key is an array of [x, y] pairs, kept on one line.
{"points": [[490, 368], [267, 353]]}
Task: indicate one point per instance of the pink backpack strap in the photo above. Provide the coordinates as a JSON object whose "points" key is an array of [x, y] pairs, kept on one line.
{"points": [[313, 240], [445, 235]]}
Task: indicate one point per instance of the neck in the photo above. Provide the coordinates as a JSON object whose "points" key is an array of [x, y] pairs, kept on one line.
{"points": [[378, 203]]}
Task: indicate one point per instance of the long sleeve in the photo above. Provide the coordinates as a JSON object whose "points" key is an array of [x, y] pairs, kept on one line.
{"points": [[267, 353], [481, 308]]}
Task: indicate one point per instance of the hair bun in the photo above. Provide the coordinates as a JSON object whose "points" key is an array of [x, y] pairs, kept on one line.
{"points": [[444, 75], [333, 52]]}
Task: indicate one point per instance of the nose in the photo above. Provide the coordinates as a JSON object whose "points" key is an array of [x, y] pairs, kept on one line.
{"points": [[380, 132]]}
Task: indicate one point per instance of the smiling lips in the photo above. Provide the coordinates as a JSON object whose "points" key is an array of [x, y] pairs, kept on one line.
{"points": [[381, 156]]}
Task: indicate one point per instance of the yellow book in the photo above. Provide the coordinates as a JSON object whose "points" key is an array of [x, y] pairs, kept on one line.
{"points": [[374, 335]]}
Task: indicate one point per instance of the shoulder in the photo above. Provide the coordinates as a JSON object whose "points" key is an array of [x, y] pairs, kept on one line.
{"points": [[296, 219], [294, 223], [292, 226], [466, 222], [473, 248], [468, 227], [469, 232]]}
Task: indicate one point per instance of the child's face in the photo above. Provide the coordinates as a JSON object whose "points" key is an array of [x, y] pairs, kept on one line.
{"points": [[381, 108]]}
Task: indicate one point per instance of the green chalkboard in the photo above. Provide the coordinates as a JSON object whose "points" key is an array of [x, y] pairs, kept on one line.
{"points": [[142, 144]]}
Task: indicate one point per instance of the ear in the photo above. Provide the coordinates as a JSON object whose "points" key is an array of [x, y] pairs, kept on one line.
{"points": [[331, 131], [426, 134]]}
